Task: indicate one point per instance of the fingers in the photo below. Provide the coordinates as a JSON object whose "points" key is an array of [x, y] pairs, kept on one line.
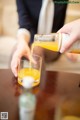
{"points": [[27, 54], [14, 65], [72, 57], [65, 30], [30, 57], [19, 53], [32, 60], [68, 43]]}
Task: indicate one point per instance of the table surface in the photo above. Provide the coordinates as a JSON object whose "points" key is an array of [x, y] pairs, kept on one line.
{"points": [[52, 89]]}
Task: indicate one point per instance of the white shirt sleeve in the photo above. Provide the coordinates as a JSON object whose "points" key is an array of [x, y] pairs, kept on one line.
{"points": [[23, 31]]}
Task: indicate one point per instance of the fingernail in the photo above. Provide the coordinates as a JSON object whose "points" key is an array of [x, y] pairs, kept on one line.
{"points": [[15, 65], [62, 50], [15, 74]]}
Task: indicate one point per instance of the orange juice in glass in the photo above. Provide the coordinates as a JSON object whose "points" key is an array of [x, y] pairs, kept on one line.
{"points": [[30, 68]]}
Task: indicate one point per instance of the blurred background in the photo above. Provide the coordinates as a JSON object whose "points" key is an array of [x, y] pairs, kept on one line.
{"points": [[8, 30]]}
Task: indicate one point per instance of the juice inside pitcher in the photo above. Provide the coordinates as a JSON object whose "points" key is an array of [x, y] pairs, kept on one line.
{"points": [[48, 42], [53, 46]]}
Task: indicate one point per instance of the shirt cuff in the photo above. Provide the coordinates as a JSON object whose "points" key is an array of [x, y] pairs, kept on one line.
{"points": [[23, 31]]}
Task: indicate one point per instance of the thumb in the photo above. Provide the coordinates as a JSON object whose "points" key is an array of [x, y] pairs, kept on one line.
{"points": [[68, 43], [28, 55], [64, 29]]}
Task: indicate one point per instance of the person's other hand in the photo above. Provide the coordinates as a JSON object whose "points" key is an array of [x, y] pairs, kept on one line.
{"points": [[22, 50], [73, 29], [73, 57]]}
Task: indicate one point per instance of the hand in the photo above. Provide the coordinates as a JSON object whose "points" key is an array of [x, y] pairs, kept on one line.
{"points": [[73, 57], [22, 50], [73, 29]]}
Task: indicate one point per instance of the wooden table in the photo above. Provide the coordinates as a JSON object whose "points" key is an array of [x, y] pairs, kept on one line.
{"points": [[52, 89]]}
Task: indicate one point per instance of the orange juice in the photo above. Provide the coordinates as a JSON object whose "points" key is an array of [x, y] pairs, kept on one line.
{"points": [[29, 72], [49, 41], [47, 45]]}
